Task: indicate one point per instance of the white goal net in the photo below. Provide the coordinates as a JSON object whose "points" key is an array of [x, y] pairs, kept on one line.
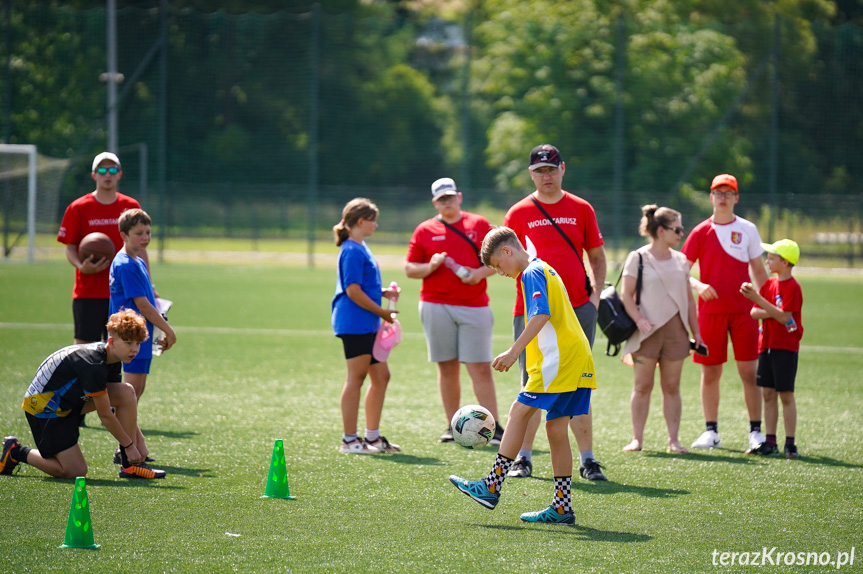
{"points": [[29, 195]]}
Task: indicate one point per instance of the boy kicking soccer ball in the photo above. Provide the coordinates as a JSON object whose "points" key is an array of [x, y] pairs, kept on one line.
{"points": [[560, 375]]}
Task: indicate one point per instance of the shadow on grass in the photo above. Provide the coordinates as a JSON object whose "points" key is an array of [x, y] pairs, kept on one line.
{"points": [[121, 482], [821, 460], [578, 531], [196, 472], [153, 432], [609, 487], [403, 458], [704, 457]]}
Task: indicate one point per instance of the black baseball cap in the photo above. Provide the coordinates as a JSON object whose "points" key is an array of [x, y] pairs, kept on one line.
{"points": [[544, 155]]}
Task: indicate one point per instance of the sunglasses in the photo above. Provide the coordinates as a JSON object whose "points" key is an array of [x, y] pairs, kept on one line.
{"points": [[678, 230], [104, 170]]}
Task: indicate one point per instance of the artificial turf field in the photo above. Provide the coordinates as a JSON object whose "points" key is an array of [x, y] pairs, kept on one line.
{"points": [[256, 361]]}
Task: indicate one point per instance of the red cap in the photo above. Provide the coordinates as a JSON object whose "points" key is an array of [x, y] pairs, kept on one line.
{"points": [[724, 179]]}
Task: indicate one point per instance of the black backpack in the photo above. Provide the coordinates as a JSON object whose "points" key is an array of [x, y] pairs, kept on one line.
{"points": [[611, 315]]}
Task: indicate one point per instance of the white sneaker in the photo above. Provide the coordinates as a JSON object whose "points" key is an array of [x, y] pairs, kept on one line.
{"points": [[708, 439], [756, 439], [358, 446]]}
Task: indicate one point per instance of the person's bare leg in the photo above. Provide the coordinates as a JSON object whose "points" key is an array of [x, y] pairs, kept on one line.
{"points": [[748, 371], [669, 380], [358, 367], [69, 463], [639, 400], [379, 375], [483, 386], [449, 384]]}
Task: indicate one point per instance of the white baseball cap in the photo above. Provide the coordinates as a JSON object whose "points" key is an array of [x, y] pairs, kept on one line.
{"points": [[443, 186], [102, 157]]}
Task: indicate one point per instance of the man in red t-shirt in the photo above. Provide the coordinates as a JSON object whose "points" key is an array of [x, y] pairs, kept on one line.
{"points": [[727, 248], [96, 211], [576, 218], [456, 318]]}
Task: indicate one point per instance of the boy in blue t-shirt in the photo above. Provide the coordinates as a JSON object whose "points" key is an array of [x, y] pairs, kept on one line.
{"points": [[560, 372], [131, 289]]}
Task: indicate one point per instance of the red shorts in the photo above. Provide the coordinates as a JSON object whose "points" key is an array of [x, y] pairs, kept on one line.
{"points": [[715, 329]]}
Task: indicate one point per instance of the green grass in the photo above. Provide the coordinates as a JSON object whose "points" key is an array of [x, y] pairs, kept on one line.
{"points": [[256, 361]]}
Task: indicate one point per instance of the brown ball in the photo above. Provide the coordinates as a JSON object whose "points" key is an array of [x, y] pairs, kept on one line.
{"points": [[96, 244]]}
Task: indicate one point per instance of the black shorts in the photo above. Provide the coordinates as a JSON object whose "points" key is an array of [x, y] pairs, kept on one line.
{"points": [[777, 370], [357, 345], [91, 316], [54, 435]]}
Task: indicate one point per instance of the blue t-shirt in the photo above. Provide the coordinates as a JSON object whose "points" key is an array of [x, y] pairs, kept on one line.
{"points": [[129, 279], [356, 265]]}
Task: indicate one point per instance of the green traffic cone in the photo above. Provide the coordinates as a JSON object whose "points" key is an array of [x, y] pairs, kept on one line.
{"points": [[277, 481], [79, 529]]}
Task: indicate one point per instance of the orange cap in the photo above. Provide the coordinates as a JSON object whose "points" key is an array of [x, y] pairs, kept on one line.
{"points": [[724, 179]]}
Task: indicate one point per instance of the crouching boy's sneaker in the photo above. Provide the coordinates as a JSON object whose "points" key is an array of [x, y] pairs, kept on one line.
{"points": [[476, 489], [7, 463], [141, 470], [550, 515]]}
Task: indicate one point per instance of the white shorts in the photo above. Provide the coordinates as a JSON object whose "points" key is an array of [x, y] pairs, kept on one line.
{"points": [[457, 332]]}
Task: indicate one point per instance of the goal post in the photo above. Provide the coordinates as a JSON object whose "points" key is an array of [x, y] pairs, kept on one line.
{"points": [[30, 185], [30, 151]]}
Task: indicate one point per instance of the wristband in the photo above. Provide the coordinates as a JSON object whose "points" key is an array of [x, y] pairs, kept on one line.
{"points": [[128, 445]]}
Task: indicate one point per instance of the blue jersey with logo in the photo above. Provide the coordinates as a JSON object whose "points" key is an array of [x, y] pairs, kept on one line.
{"points": [[356, 265], [559, 358]]}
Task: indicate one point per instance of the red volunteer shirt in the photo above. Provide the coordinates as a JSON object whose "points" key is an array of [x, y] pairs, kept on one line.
{"points": [[577, 219], [84, 216], [443, 286], [723, 252]]}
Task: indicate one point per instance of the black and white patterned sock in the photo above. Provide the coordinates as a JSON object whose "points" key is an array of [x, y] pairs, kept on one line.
{"points": [[562, 501], [494, 480]]}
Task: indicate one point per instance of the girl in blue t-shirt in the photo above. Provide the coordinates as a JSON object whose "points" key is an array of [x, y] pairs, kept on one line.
{"points": [[356, 317]]}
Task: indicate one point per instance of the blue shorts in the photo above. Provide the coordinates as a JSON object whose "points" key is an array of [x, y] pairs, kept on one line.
{"points": [[572, 404], [138, 366]]}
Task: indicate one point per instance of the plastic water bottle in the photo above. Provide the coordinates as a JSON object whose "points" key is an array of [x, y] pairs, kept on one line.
{"points": [[791, 325], [394, 287], [460, 270]]}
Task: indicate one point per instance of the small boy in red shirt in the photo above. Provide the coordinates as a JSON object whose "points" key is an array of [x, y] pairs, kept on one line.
{"points": [[778, 304]]}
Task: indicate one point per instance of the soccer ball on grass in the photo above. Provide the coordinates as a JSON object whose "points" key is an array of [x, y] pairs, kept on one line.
{"points": [[472, 426]]}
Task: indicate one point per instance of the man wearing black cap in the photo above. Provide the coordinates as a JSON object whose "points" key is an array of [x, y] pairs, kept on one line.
{"points": [[456, 318], [558, 227]]}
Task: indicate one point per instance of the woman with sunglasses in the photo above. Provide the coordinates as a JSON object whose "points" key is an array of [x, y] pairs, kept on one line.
{"points": [[666, 309]]}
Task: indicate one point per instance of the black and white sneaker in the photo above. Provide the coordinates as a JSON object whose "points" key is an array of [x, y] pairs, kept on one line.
{"points": [[764, 449], [118, 458], [446, 436], [498, 434], [591, 470], [791, 451], [521, 468]]}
